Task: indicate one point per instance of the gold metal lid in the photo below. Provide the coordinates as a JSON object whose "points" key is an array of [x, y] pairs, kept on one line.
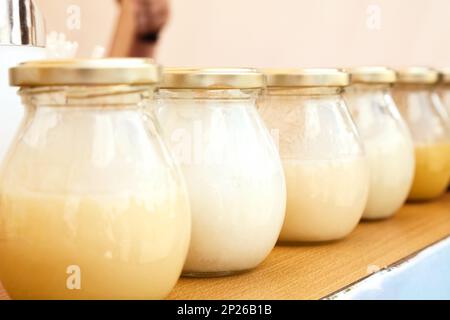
{"points": [[445, 75], [417, 75], [314, 77], [372, 75], [85, 72], [212, 78]]}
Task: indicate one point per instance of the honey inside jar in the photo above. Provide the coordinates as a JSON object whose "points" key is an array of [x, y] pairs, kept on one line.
{"points": [[92, 206], [232, 169], [338, 209], [93, 246], [432, 171], [421, 107], [387, 141], [320, 149]]}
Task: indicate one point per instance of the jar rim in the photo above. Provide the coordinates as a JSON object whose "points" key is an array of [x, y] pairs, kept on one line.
{"points": [[309, 77], [372, 75], [417, 75], [75, 72], [211, 78]]}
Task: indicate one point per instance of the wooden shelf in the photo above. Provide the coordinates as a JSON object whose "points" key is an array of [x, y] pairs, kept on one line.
{"points": [[314, 271]]}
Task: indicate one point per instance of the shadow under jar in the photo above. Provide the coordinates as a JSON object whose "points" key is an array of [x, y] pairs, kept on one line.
{"points": [[388, 143], [92, 205], [233, 171], [425, 115], [326, 170]]}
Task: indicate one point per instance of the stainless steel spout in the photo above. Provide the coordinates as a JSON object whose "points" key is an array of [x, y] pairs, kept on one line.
{"points": [[21, 23]]}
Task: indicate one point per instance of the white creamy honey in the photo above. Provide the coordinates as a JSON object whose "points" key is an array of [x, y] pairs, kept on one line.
{"points": [[326, 198], [387, 141], [232, 169], [326, 169]]}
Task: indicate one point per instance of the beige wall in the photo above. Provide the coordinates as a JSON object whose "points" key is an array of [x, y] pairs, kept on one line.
{"points": [[280, 32], [97, 21]]}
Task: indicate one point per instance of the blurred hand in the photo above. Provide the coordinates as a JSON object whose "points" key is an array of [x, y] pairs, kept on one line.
{"points": [[138, 27], [150, 15]]}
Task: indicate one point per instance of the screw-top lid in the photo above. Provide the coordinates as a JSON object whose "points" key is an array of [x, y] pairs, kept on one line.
{"points": [[212, 78], [314, 77], [113, 71], [372, 75], [417, 75], [445, 75]]}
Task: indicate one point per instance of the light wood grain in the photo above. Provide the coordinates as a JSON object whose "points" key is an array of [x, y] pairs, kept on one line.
{"points": [[3, 294], [314, 271]]}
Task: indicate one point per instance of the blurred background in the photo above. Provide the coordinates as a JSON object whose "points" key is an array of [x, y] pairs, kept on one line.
{"points": [[276, 33]]}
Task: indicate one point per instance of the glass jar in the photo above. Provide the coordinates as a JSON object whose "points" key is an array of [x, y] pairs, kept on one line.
{"points": [[444, 90], [326, 169], [92, 205], [386, 137], [230, 163], [424, 113], [444, 94]]}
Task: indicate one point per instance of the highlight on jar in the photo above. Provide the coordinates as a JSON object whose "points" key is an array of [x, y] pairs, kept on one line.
{"points": [[444, 94], [443, 90], [92, 205], [231, 165], [320, 149], [419, 102], [387, 140]]}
